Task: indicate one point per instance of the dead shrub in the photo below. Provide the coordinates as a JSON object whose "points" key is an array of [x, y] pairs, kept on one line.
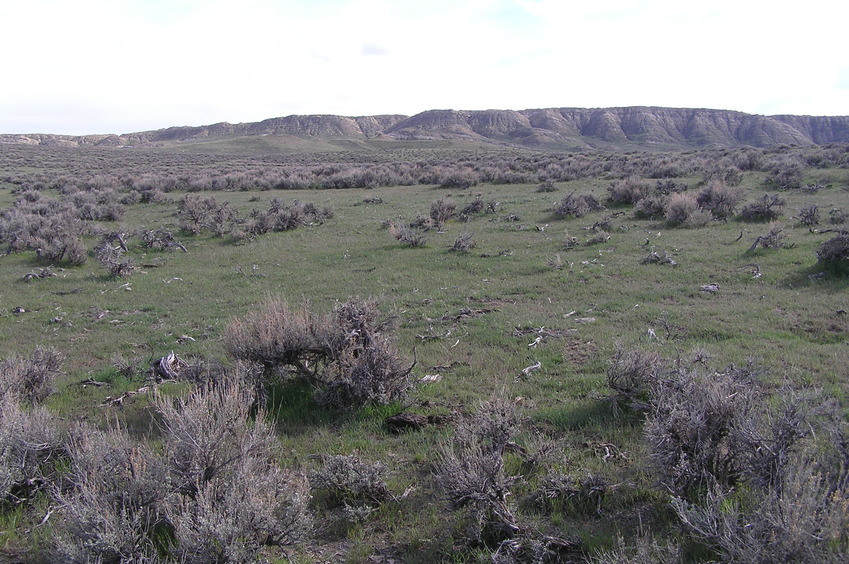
{"points": [[658, 258], [442, 210], [423, 223], [464, 243], [547, 186], [30, 380], [363, 366], [598, 238], [719, 199], [834, 253], [581, 495], [408, 236], [768, 208], [809, 216], [775, 239], [837, 216], [159, 240], [474, 207], [113, 258]]}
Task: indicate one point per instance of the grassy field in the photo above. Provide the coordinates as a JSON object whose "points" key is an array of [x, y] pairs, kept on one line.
{"points": [[469, 318]]}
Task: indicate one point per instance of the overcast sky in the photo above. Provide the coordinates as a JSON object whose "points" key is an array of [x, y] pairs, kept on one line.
{"points": [[119, 66]]}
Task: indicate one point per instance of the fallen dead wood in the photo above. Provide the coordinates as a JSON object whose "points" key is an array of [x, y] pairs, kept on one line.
{"points": [[466, 313], [403, 422], [532, 368], [432, 336], [168, 367], [541, 332], [46, 272], [92, 382], [118, 401]]}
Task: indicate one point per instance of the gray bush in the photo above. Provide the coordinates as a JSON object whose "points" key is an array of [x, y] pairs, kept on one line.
{"points": [[834, 253], [349, 480], [690, 427], [231, 497], [719, 199], [801, 519], [577, 206], [633, 377], [30, 441], [115, 502], [683, 210], [348, 356], [471, 471], [30, 379]]}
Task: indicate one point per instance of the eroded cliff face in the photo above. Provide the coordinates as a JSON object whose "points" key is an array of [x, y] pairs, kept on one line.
{"points": [[639, 126], [552, 128]]}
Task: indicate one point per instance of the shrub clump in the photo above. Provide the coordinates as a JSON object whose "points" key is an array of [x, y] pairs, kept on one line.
{"points": [[350, 481], [216, 494], [768, 208], [232, 498], [30, 380], [577, 206], [719, 199], [464, 243], [442, 210], [651, 207], [834, 253], [683, 210], [348, 356], [115, 506], [627, 191], [632, 376], [473, 475], [31, 440]]}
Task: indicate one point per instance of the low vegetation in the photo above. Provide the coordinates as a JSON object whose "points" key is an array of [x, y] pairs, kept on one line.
{"points": [[424, 354]]}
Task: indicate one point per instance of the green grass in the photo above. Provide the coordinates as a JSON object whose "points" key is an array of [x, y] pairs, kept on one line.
{"points": [[601, 296]]}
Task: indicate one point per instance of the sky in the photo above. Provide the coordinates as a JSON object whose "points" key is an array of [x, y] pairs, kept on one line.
{"points": [[79, 67]]}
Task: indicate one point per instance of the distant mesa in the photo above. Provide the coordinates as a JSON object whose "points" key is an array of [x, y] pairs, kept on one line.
{"points": [[643, 128]]}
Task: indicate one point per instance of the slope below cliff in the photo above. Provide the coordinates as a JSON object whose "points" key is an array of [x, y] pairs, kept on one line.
{"points": [[631, 128]]}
